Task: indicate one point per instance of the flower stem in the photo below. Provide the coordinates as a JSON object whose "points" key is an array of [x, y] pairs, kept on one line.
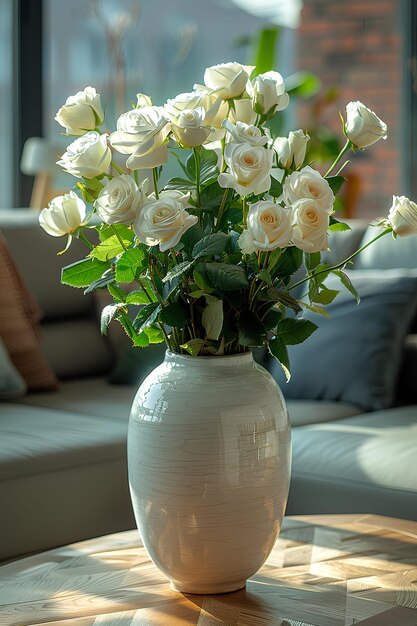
{"points": [[222, 205], [155, 182], [197, 161], [116, 167], [339, 156], [86, 241], [122, 243], [342, 263]]}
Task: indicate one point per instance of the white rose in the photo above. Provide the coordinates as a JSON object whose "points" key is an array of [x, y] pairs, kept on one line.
{"points": [[81, 112], [118, 202], [195, 100], [291, 150], [403, 216], [88, 156], [363, 127], [188, 128], [310, 226], [243, 112], [164, 220], [143, 101], [245, 133], [268, 93], [269, 226], [63, 216], [227, 80], [308, 184], [249, 168], [142, 134]]}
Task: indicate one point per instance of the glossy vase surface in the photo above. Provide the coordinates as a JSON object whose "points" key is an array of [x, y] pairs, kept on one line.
{"points": [[209, 456]]}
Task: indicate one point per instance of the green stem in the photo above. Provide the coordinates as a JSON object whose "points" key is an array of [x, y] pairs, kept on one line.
{"points": [[197, 162], [222, 205], [342, 263], [142, 286], [86, 241], [116, 167], [167, 341], [136, 177], [245, 210], [339, 156], [155, 182], [122, 243]]}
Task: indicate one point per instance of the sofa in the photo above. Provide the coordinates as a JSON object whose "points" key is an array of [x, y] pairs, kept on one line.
{"points": [[63, 452]]}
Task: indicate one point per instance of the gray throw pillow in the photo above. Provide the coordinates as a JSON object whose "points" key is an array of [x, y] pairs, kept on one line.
{"points": [[12, 384], [355, 356]]}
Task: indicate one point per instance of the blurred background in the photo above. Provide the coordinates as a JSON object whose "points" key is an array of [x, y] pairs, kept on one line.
{"points": [[329, 52]]}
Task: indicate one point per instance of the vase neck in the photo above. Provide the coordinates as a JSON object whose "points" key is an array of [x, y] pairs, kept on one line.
{"points": [[231, 360]]}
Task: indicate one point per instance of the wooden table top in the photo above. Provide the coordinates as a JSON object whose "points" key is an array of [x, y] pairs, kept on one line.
{"points": [[324, 571]]}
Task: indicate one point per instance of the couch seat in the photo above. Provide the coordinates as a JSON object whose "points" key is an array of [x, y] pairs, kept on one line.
{"points": [[361, 464]]}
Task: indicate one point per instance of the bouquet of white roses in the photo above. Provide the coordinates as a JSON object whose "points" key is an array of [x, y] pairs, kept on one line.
{"points": [[205, 261]]}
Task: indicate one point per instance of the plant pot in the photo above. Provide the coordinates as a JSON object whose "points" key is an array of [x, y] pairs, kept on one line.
{"points": [[209, 455]]}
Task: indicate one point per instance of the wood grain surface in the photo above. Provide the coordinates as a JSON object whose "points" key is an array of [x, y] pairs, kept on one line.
{"points": [[324, 571]]}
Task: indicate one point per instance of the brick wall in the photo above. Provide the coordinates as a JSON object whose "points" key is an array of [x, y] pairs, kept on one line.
{"points": [[356, 46]]}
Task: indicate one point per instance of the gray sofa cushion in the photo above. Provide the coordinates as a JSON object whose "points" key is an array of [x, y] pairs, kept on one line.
{"points": [[89, 396], [359, 464], [75, 348], [388, 253], [63, 476], [355, 357]]}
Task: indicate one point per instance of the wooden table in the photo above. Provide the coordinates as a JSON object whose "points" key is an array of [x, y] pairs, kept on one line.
{"points": [[324, 571]]}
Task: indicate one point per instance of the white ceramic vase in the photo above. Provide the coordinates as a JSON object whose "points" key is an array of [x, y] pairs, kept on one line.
{"points": [[209, 457]]}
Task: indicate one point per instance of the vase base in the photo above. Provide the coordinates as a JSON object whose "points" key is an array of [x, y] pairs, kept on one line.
{"points": [[209, 589]]}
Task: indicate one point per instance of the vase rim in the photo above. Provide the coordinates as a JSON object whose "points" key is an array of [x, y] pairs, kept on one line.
{"points": [[227, 359]]}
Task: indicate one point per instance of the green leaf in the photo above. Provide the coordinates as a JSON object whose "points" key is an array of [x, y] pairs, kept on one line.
{"points": [[271, 319], [155, 335], [312, 260], [316, 308], [179, 183], [325, 296], [137, 297], [174, 314], [337, 226], [116, 292], [292, 331], [289, 262], [335, 183], [130, 265], [265, 276], [109, 248], [146, 316], [107, 315], [251, 330], [347, 283], [274, 295], [82, 273], [226, 277], [212, 245], [141, 340], [109, 230], [177, 270], [193, 346], [278, 349], [100, 283], [303, 84], [276, 188], [212, 319]]}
